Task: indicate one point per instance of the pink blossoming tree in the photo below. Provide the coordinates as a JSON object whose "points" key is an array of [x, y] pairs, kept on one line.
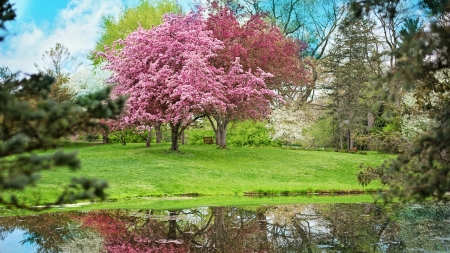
{"points": [[260, 46], [166, 73]]}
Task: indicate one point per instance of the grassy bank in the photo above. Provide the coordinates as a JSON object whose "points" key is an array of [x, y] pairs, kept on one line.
{"points": [[135, 172]]}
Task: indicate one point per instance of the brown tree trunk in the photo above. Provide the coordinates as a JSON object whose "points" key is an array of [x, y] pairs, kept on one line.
{"points": [[106, 138], [182, 137], [149, 138], [219, 238], [221, 131], [158, 133], [222, 134], [349, 140], [172, 233], [176, 130]]}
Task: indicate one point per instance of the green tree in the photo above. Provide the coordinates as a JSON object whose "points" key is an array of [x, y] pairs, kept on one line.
{"points": [[6, 74], [30, 121], [6, 14], [422, 172], [352, 61], [146, 15]]}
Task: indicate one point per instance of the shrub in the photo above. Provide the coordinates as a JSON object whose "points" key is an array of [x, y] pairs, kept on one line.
{"points": [[250, 133], [127, 136], [195, 135], [391, 143], [239, 134]]}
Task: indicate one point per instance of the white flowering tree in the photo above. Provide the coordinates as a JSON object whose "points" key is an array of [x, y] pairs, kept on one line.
{"points": [[414, 122], [88, 79], [288, 124]]}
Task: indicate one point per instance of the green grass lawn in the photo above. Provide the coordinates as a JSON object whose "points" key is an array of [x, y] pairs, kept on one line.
{"points": [[136, 173]]}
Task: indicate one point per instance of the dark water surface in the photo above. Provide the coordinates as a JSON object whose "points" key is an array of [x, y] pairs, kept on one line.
{"points": [[283, 228]]}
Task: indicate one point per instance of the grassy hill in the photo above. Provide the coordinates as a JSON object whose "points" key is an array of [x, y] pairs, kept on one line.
{"points": [[135, 172]]}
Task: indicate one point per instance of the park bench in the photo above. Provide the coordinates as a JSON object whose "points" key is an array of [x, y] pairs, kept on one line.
{"points": [[208, 140]]}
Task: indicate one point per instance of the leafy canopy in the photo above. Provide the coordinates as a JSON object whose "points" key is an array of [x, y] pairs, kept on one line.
{"points": [[146, 15], [424, 171]]}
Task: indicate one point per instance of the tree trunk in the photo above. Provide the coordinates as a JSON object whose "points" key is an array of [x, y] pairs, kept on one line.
{"points": [[106, 138], [370, 120], [158, 133], [182, 137], [172, 233], [222, 134], [350, 140], [149, 138], [263, 242], [220, 130], [175, 131], [220, 235]]}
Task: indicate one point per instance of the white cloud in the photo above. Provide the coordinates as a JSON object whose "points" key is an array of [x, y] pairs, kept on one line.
{"points": [[76, 27]]}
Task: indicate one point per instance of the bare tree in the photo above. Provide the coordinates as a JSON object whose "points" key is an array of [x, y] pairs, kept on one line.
{"points": [[313, 22], [55, 61]]}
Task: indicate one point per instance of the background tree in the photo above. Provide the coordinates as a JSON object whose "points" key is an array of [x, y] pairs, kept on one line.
{"points": [[87, 79], [7, 13], [313, 22], [258, 45], [352, 61], [146, 15], [30, 121], [422, 172], [7, 75], [55, 62]]}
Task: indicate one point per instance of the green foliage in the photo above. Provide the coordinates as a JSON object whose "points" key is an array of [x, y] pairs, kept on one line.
{"points": [[322, 132], [195, 135], [419, 173], [6, 74], [387, 142], [240, 134], [7, 13], [250, 134], [30, 121], [128, 136], [146, 15], [422, 172], [353, 60]]}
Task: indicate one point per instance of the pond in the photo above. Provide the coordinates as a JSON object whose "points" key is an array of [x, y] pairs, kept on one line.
{"points": [[281, 228]]}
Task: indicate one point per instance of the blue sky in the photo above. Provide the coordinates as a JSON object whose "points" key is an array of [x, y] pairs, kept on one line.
{"points": [[40, 24]]}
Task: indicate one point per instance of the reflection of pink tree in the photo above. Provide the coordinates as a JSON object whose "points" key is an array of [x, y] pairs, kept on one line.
{"points": [[120, 236]]}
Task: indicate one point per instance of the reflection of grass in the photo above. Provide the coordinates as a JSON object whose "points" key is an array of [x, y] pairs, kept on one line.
{"points": [[135, 171], [174, 203]]}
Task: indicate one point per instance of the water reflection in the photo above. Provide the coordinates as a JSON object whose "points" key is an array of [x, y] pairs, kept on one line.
{"points": [[287, 228]]}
